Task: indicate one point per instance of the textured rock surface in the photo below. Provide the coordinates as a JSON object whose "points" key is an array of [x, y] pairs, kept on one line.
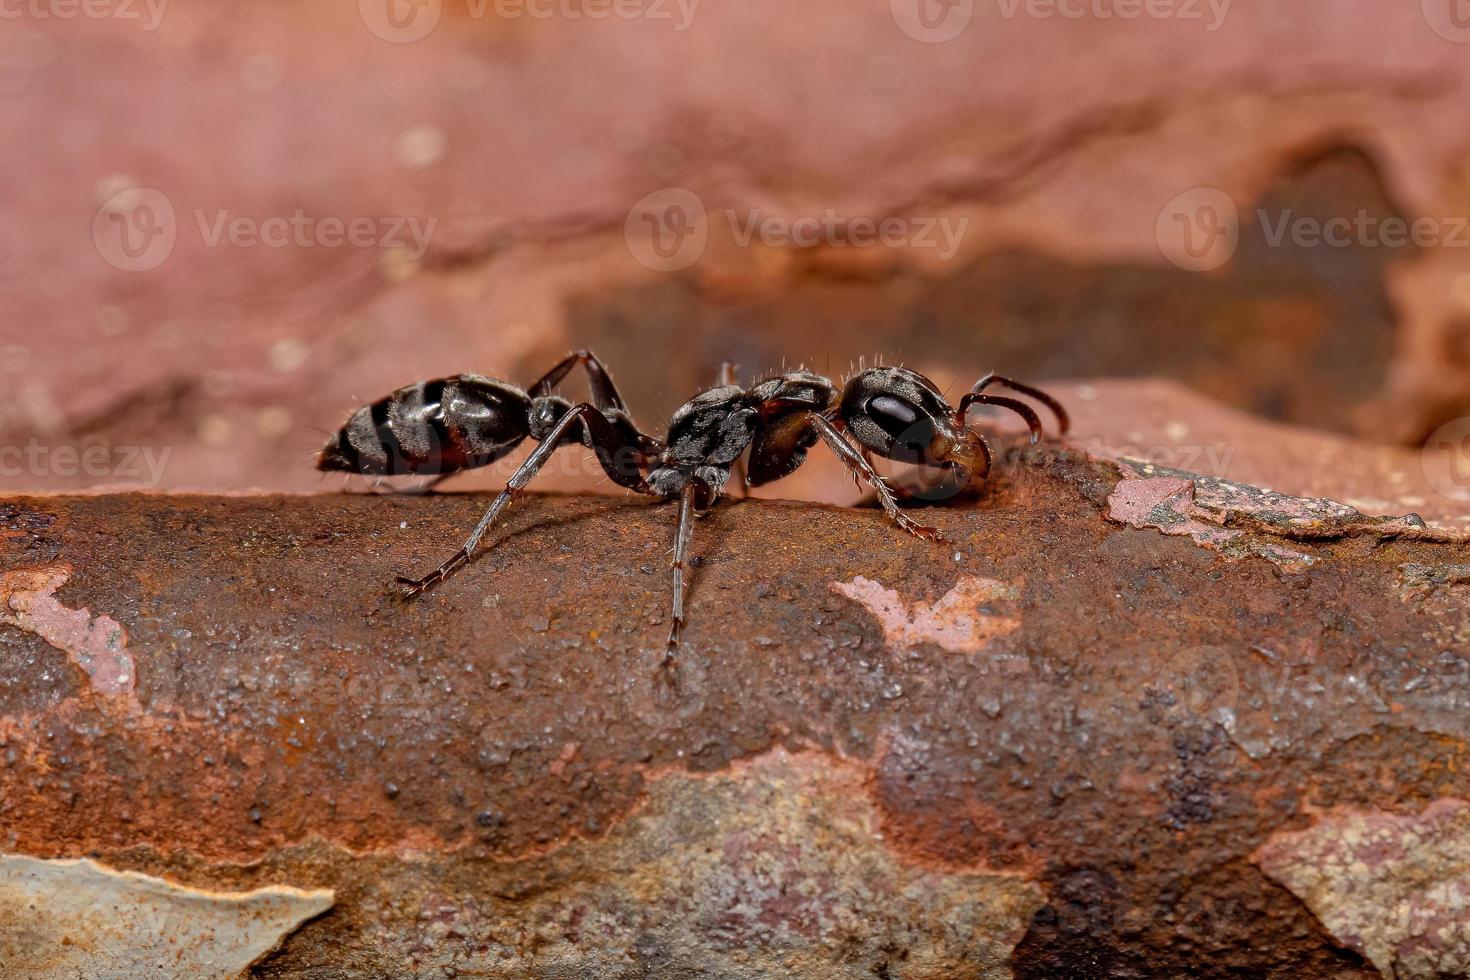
{"points": [[65, 919], [1056, 733], [1393, 887]]}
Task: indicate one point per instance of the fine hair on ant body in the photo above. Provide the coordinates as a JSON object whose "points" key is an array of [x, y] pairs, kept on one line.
{"points": [[454, 424]]}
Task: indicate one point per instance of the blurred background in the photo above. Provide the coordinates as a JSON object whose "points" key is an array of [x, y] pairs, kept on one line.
{"points": [[227, 225]]}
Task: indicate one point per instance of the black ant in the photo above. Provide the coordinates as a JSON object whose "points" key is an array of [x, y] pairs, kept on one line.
{"points": [[445, 426]]}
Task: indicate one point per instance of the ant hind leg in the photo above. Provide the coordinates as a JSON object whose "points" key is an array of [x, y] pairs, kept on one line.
{"points": [[604, 393], [608, 450]]}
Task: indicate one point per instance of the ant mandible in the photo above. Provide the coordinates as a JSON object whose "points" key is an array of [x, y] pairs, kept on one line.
{"points": [[453, 424]]}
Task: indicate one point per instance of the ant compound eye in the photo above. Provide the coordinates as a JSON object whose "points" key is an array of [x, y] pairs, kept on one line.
{"points": [[903, 422], [893, 416]]}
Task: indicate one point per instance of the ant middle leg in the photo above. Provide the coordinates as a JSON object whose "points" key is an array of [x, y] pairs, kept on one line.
{"points": [[609, 450], [863, 471]]}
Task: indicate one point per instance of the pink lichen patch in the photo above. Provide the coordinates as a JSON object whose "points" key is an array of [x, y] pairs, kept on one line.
{"points": [[1202, 507], [96, 644], [964, 619], [1231, 516], [1396, 888], [1166, 503]]}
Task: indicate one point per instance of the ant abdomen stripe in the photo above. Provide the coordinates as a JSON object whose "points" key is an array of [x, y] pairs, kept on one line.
{"points": [[415, 435], [449, 441], [483, 418], [383, 428], [438, 426], [360, 445]]}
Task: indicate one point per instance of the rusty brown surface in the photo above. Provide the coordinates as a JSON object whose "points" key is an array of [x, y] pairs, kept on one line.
{"points": [[1054, 703]]}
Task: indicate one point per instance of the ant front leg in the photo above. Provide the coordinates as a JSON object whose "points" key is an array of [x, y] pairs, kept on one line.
{"points": [[610, 451], [862, 470]]}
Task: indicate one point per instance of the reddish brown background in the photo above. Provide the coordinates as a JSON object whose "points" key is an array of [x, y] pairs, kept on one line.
{"points": [[528, 140]]}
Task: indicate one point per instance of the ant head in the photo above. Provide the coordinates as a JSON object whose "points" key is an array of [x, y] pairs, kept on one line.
{"points": [[900, 415]]}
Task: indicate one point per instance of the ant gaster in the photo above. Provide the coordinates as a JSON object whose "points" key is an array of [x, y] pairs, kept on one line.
{"points": [[442, 427]]}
